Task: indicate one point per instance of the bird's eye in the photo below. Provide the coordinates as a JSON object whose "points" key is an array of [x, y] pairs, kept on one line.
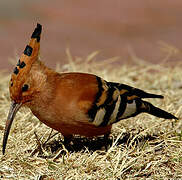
{"points": [[24, 88]]}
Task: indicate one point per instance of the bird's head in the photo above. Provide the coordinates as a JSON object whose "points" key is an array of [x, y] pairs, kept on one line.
{"points": [[22, 85]]}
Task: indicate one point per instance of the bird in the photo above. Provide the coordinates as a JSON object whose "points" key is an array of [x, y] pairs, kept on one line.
{"points": [[72, 103]]}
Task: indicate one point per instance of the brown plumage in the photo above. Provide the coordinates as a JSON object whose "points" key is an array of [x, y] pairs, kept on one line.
{"points": [[72, 103]]}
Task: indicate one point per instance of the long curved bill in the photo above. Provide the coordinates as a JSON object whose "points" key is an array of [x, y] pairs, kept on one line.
{"points": [[12, 112]]}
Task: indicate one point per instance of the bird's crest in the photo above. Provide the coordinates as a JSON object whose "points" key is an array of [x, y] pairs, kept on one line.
{"points": [[29, 56]]}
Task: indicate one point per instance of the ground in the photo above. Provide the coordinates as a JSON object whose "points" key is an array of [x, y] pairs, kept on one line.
{"points": [[141, 147]]}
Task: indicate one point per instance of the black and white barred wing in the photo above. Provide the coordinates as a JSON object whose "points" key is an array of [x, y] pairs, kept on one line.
{"points": [[116, 101]]}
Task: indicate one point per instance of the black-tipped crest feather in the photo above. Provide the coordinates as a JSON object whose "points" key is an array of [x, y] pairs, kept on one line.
{"points": [[37, 32]]}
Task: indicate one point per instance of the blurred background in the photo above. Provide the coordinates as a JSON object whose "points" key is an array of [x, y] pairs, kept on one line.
{"points": [[114, 27]]}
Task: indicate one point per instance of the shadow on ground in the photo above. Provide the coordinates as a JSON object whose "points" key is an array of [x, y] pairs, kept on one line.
{"points": [[81, 144]]}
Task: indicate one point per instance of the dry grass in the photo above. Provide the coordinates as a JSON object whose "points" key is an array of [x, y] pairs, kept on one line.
{"points": [[142, 147]]}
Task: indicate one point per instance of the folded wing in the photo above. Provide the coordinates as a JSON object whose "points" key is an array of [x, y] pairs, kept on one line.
{"points": [[115, 101]]}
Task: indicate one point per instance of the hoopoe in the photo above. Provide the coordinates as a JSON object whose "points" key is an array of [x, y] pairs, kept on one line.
{"points": [[72, 103]]}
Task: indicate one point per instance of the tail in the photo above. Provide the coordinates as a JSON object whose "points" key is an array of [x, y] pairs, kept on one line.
{"points": [[123, 88], [143, 94], [149, 108]]}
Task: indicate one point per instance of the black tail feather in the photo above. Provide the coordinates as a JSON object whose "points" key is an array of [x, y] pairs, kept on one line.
{"points": [[135, 91], [148, 95], [157, 111], [142, 94]]}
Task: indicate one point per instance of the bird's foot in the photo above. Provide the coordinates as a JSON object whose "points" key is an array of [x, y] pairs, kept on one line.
{"points": [[45, 149], [39, 148]]}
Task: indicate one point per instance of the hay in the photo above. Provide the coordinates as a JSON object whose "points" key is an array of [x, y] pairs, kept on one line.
{"points": [[142, 147]]}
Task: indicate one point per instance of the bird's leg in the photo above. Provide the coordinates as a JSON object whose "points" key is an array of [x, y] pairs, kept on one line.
{"points": [[106, 141], [50, 136], [67, 139], [39, 146], [66, 142]]}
